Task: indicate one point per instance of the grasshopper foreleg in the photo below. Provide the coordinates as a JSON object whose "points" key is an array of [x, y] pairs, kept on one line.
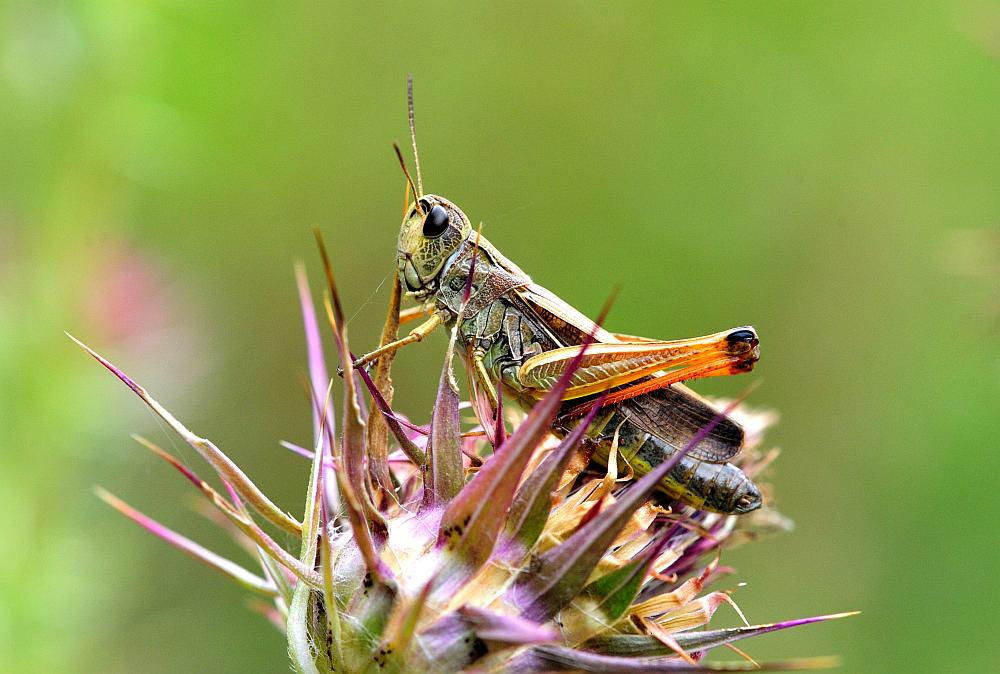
{"points": [[417, 334]]}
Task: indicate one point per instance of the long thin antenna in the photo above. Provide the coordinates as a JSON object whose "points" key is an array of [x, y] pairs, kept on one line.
{"points": [[413, 135], [409, 180]]}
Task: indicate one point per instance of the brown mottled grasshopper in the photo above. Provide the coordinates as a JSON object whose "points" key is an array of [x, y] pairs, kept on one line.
{"points": [[521, 337]]}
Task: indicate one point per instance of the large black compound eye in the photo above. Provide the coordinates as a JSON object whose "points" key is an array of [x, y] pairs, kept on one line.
{"points": [[436, 222]]}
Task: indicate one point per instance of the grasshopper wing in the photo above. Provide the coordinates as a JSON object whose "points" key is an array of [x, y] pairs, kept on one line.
{"points": [[676, 414]]}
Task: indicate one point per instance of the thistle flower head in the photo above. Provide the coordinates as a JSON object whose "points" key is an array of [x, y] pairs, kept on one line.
{"points": [[454, 546]]}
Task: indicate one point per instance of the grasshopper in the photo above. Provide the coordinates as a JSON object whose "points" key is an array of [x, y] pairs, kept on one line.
{"points": [[519, 338]]}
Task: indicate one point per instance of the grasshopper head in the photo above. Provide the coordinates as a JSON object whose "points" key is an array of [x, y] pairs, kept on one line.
{"points": [[432, 231]]}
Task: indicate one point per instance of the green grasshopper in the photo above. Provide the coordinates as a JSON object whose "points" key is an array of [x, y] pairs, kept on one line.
{"points": [[520, 337]]}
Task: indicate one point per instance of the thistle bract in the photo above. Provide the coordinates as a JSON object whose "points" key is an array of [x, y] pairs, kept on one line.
{"points": [[424, 548]]}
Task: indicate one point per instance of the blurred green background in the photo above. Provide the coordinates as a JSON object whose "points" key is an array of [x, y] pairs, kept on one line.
{"points": [[825, 171]]}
